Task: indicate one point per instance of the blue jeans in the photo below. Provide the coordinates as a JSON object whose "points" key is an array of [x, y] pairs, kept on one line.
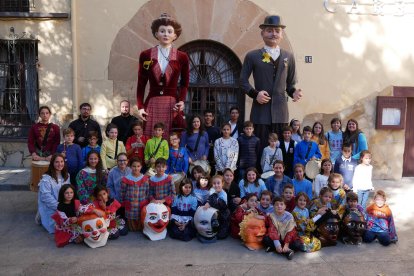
{"points": [[383, 237], [363, 198]]}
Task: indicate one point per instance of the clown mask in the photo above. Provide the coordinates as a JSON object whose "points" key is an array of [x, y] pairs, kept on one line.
{"points": [[252, 231], [206, 223], [155, 218], [94, 230]]}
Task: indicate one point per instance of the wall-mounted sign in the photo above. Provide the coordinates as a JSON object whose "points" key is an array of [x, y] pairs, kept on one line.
{"points": [[371, 7], [391, 112], [308, 59]]}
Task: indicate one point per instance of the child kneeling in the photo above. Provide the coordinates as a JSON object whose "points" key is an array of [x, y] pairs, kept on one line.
{"points": [[281, 231]]}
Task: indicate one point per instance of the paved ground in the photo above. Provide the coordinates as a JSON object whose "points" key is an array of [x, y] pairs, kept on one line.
{"points": [[27, 249]]}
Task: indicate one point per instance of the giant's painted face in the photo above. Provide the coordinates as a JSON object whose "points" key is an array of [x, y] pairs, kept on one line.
{"points": [[155, 218], [252, 231], [353, 226], [206, 222], [94, 230], [328, 231]]}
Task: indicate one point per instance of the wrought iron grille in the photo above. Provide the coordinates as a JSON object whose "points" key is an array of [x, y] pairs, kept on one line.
{"points": [[14, 6], [214, 80], [19, 90]]}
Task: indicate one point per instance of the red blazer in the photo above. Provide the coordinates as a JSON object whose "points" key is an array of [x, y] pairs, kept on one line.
{"points": [[162, 85]]}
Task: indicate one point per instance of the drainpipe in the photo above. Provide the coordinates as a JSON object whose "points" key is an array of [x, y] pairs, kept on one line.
{"points": [[74, 60]]}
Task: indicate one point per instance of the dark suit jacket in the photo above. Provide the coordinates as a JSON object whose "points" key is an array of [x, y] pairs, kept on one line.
{"points": [[276, 110]]}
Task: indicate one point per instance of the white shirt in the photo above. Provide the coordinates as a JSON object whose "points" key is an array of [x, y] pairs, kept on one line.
{"points": [[232, 127], [273, 52], [163, 54]]}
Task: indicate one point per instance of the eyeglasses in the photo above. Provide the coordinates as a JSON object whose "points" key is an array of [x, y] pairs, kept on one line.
{"points": [[122, 160]]}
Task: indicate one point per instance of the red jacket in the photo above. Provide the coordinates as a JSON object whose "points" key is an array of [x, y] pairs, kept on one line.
{"points": [[150, 70]]}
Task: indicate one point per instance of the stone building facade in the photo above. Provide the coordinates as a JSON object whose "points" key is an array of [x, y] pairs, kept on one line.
{"points": [[92, 55]]}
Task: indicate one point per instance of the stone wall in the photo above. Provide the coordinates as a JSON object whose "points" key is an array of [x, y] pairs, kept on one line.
{"points": [[386, 146], [15, 154]]}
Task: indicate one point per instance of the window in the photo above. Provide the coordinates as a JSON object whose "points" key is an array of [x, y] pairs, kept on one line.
{"points": [[14, 6], [214, 80], [19, 90]]}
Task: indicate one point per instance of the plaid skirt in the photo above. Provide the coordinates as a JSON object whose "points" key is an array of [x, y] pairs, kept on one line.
{"points": [[159, 109]]}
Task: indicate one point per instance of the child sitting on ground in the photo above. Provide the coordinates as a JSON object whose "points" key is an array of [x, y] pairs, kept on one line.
{"points": [[202, 190], [116, 226], [249, 206], [338, 194], [66, 227], [182, 210], [289, 197], [305, 225], [281, 231], [380, 222], [218, 200], [265, 205]]}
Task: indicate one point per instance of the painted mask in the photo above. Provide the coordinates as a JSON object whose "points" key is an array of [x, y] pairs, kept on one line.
{"points": [[252, 231], [94, 230], [328, 229], [207, 224], [155, 218], [354, 227]]}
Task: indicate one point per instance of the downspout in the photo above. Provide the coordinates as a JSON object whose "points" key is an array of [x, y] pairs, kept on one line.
{"points": [[75, 103]]}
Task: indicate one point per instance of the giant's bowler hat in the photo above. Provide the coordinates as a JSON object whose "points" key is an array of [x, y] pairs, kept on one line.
{"points": [[272, 21]]}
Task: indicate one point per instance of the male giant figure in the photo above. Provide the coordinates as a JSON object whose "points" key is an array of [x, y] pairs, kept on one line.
{"points": [[274, 75]]}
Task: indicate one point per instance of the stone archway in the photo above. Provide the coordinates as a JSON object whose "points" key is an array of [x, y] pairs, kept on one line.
{"points": [[233, 23]]}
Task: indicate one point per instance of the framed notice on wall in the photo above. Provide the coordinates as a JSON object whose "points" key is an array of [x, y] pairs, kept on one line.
{"points": [[391, 112]]}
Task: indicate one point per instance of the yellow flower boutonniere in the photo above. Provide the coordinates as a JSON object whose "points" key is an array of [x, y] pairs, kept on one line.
{"points": [[285, 61], [147, 64], [266, 57]]}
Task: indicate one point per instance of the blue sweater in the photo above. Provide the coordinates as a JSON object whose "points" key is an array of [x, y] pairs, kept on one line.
{"points": [[301, 150], [177, 161], [303, 186], [114, 182], [73, 157], [335, 141], [189, 142], [271, 183], [86, 150], [346, 170], [251, 188]]}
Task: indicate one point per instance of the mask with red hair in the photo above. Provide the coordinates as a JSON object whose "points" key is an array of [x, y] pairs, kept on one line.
{"points": [[94, 229]]}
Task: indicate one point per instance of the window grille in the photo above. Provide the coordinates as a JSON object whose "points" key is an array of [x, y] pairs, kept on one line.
{"points": [[19, 90], [214, 80], [14, 6]]}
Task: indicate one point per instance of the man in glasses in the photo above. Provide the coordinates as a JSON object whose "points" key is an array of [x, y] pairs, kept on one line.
{"points": [[84, 125]]}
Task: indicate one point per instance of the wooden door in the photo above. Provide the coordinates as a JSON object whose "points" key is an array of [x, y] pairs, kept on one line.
{"points": [[408, 165]]}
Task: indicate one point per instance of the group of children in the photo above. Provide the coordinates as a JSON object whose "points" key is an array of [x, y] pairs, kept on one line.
{"points": [[288, 201]]}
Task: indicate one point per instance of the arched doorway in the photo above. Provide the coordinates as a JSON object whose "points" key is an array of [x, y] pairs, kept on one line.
{"points": [[214, 80]]}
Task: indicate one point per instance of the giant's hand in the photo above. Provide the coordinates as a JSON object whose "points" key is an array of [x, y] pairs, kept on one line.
{"points": [[297, 95], [179, 106], [142, 114], [263, 97]]}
